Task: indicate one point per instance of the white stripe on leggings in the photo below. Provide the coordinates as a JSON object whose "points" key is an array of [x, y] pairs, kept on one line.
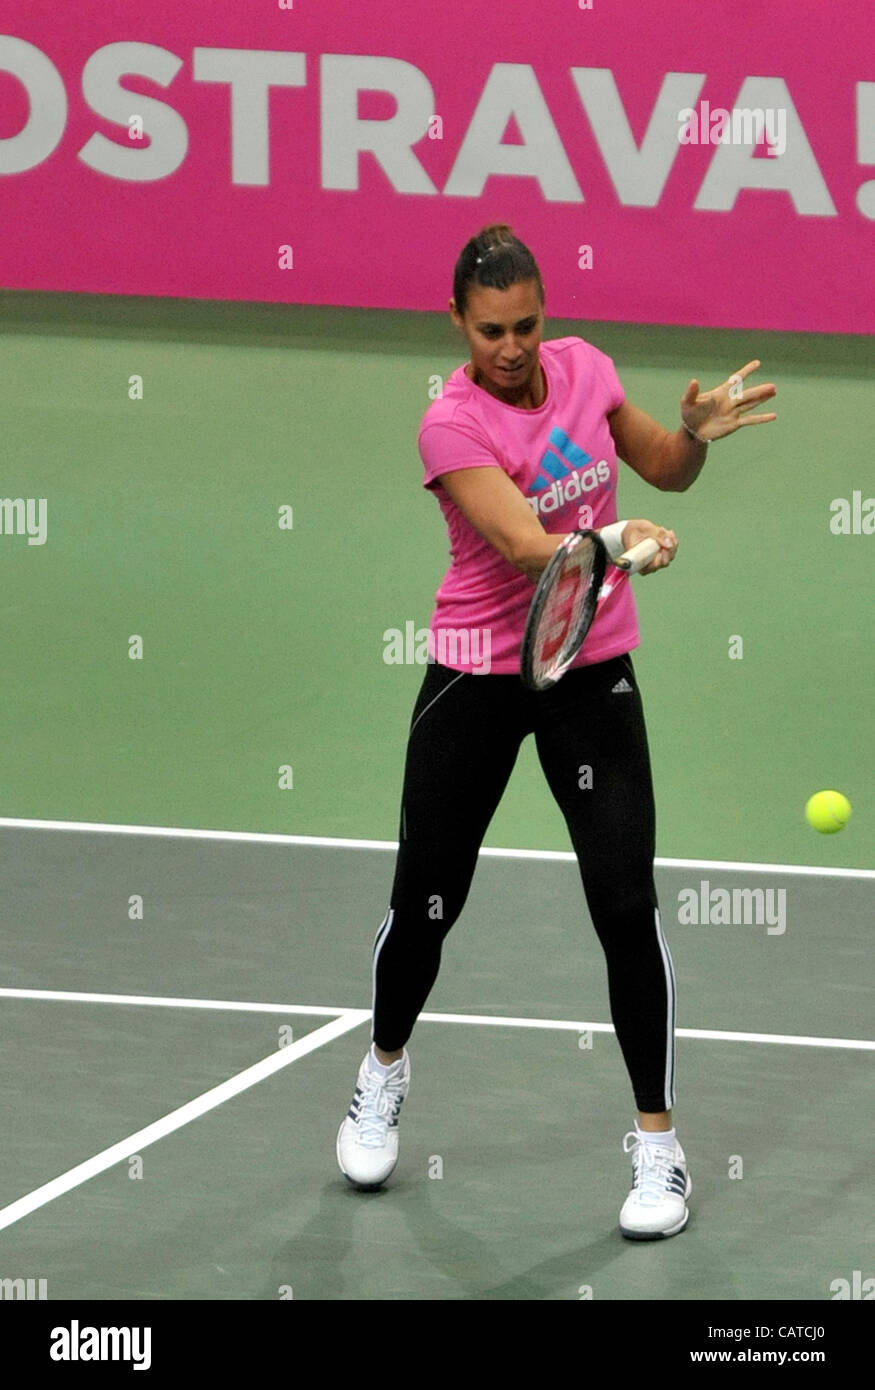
{"points": [[379, 939], [436, 698], [669, 1093]]}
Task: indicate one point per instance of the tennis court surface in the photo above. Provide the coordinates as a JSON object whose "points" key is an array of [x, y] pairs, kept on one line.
{"points": [[185, 1013]]}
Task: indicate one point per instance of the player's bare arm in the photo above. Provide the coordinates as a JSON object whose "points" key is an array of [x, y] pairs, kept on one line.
{"points": [[673, 462], [497, 509]]}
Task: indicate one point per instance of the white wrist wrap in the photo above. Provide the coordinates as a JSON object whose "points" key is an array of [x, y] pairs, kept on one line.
{"points": [[612, 538]]}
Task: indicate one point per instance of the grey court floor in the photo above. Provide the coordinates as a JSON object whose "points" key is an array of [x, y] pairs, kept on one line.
{"points": [[174, 1075]]}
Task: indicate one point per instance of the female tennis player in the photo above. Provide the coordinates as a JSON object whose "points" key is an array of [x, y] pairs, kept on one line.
{"points": [[520, 450]]}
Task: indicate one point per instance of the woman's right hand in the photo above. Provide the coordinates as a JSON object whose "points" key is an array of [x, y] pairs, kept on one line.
{"points": [[642, 530]]}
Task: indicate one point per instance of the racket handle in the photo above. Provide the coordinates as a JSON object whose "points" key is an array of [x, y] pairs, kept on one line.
{"points": [[640, 555]]}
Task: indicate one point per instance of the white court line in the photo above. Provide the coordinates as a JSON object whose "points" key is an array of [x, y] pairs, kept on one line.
{"points": [[486, 1020], [714, 1034], [163, 1001], [327, 842], [192, 1110]]}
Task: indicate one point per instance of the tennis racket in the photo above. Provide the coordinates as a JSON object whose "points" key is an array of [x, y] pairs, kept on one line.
{"points": [[564, 604]]}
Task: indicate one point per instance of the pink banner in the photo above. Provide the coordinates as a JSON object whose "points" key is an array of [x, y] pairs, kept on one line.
{"points": [[667, 162]]}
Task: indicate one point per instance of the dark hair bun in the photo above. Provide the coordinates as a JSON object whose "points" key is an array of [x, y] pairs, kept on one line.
{"points": [[495, 259]]}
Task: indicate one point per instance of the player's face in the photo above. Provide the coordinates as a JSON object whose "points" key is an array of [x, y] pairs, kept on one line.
{"points": [[503, 329]]}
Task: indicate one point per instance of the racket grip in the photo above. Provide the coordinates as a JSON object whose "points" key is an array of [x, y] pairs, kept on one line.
{"points": [[640, 555]]}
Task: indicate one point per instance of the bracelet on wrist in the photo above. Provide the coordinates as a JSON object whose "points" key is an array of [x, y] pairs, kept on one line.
{"points": [[693, 435]]}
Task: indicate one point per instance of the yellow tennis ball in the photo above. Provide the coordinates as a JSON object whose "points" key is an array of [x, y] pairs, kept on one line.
{"points": [[827, 811]]}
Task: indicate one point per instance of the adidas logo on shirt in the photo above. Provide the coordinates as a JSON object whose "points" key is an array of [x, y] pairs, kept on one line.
{"points": [[558, 493], [563, 479]]}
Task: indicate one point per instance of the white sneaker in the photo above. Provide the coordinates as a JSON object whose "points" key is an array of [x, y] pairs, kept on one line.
{"points": [[656, 1206], [367, 1141]]}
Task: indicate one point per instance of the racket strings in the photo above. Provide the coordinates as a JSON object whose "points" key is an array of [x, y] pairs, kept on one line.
{"points": [[566, 609]]}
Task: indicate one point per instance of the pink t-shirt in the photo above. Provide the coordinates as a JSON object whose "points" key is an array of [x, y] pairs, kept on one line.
{"points": [[562, 458]]}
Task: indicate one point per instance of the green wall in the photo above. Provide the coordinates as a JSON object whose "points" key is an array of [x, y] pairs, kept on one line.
{"points": [[263, 647]]}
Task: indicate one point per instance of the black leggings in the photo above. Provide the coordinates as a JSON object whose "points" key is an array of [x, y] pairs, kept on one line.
{"points": [[465, 734]]}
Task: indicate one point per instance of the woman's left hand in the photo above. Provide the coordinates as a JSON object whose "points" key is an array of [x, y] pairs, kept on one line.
{"points": [[641, 530], [713, 414]]}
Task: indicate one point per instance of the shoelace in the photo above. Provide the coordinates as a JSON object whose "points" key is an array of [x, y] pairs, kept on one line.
{"points": [[379, 1102], [653, 1164]]}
